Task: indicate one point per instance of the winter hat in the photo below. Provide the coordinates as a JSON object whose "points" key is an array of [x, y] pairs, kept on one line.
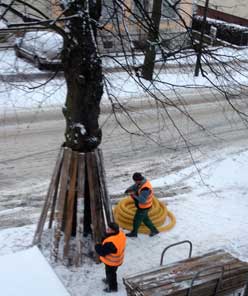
{"points": [[114, 226], [137, 177]]}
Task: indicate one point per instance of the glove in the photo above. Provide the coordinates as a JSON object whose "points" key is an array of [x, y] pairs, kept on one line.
{"points": [[132, 195]]}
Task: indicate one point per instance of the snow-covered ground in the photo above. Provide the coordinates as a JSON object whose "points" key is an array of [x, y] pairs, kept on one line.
{"points": [[213, 215]]}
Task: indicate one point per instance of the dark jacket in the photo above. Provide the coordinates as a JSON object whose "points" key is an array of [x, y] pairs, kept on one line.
{"points": [[107, 248]]}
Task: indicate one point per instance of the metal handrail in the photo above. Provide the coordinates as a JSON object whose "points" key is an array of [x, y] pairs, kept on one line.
{"points": [[179, 243], [246, 290], [219, 281]]}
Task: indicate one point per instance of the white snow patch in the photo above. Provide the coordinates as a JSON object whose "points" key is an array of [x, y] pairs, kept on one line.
{"points": [[82, 128], [27, 273]]}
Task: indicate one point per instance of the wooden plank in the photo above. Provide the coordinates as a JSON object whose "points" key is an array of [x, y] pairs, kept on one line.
{"points": [[80, 209], [70, 203], [98, 200], [103, 187], [59, 209], [54, 199], [92, 189], [104, 210], [95, 202], [50, 194]]}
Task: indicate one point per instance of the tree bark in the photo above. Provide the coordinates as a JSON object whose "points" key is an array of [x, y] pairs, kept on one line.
{"points": [[83, 75], [150, 55]]}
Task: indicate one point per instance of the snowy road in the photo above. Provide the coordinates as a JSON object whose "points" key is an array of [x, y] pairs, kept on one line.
{"points": [[28, 150]]}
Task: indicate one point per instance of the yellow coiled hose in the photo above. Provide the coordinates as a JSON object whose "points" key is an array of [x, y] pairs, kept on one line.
{"points": [[125, 210]]}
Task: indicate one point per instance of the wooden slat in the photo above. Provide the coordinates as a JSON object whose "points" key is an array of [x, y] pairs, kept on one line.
{"points": [[80, 209], [70, 203], [103, 186], [49, 196], [59, 210], [102, 193], [95, 201], [92, 189], [54, 199], [100, 223]]}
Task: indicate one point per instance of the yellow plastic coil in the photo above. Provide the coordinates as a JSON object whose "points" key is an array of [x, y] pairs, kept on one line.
{"points": [[160, 216]]}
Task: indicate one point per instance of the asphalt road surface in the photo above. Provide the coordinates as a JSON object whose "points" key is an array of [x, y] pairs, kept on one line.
{"points": [[29, 144]]}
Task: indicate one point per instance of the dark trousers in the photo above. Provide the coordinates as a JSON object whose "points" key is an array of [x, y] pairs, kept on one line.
{"points": [[141, 215], [111, 276]]}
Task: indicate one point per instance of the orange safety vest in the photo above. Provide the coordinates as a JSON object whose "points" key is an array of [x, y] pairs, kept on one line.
{"points": [[148, 202], [115, 259]]}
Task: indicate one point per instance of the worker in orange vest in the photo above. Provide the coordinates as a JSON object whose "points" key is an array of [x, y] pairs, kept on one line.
{"points": [[142, 193], [111, 252]]}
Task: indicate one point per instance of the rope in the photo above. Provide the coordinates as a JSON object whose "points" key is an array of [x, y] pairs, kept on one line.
{"points": [[125, 210]]}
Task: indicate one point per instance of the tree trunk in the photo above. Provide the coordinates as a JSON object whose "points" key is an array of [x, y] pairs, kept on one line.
{"points": [[83, 75], [150, 55]]}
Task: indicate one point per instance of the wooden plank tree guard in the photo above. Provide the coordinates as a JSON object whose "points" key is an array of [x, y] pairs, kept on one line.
{"points": [[218, 273], [77, 177]]}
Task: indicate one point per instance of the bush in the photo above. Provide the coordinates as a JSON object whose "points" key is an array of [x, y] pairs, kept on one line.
{"points": [[231, 33]]}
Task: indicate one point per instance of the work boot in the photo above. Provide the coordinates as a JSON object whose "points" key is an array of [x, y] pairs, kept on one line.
{"points": [[108, 290], [131, 234], [154, 232]]}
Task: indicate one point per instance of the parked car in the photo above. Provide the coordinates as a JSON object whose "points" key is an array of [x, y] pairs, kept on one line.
{"points": [[43, 48]]}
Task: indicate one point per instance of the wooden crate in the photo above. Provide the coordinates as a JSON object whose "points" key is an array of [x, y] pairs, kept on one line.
{"points": [[176, 279]]}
